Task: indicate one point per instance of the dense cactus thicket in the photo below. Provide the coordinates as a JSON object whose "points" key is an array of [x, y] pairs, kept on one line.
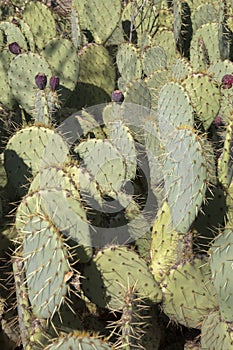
{"points": [[116, 189]]}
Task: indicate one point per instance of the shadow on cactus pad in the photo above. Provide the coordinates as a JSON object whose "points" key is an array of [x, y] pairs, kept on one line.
{"points": [[87, 95], [18, 174]]}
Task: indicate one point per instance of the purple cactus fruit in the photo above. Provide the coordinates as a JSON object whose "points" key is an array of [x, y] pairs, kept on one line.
{"points": [[117, 96], [14, 48], [227, 81], [54, 83], [15, 21], [41, 81], [218, 122]]}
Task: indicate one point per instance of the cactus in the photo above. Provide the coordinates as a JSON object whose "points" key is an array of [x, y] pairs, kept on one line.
{"points": [[185, 190], [42, 23], [188, 303], [216, 332], [126, 269], [220, 267], [84, 342], [62, 58], [103, 23], [128, 62], [21, 75], [25, 156], [126, 208]]}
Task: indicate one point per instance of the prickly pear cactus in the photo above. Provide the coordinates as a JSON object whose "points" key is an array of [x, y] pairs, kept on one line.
{"points": [[116, 174]]}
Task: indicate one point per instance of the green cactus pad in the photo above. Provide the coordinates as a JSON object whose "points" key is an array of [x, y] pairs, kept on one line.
{"points": [[104, 162], [112, 271], [41, 21], [120, 137], [46, 265], [138, 93], [68, 215], [96, 68], [77, 35], [225, 161], [204, 49], [55, 177], [100, 18], [6, 96], [154, 83], [21, 75], [174, 109], [64, 212], [218, 70], [165, 39], [144, 41], [128, 62], [185, 176], [45, 106], [154, 58], [154, 152], [87, 186], [229, 203], [26, 30], [215, 333], [73, 342], [221, 267], [28, 151], [188, 294], [13, 34], [194, 5], [62, 58], [164, 251], [180, 69], [205, 97], [204, 14], [138, 224]]}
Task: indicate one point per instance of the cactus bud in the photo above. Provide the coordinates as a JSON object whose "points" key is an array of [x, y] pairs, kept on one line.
{"points": [[117, 96], [15, 48], [54, 83], [227, 81], [41, 81]]}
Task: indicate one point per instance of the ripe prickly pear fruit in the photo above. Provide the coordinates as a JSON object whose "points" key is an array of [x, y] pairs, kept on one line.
{"points": [[117, 96], [227, 81], [41, 81], [14, 48], [54, 83]]}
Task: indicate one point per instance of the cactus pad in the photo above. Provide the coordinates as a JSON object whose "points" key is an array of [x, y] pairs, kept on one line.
{"points": [[45, 272], [104, 162], [112, 271], [62, 57], [221, 267], [185, 175], [188, 295], [29, 150], [21, 75], [73, 342], [215, 333], [205, 97], [164, 244], [42, 23]]}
